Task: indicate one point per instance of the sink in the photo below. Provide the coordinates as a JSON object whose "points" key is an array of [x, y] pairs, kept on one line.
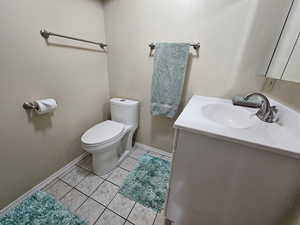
{"points": [[229, 115], [218, 118], [210, 138]]}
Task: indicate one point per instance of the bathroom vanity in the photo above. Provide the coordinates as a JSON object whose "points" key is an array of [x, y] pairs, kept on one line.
{"points": [[230, 168]]}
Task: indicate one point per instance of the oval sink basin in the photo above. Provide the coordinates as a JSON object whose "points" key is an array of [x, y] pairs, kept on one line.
{"points": [[228, 115]]}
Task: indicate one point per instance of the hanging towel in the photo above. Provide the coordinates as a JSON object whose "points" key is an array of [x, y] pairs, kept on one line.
{"points": [[170, 62]]}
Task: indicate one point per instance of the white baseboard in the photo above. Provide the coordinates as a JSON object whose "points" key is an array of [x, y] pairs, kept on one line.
{"points": [[153, 149], [43, 184]]}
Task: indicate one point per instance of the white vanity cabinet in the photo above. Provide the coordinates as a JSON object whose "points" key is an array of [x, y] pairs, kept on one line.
{"points": [[230, 176], [285, 63]]}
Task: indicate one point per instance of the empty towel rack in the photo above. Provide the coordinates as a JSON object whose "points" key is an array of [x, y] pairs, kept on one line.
{"points": [[46, 34]]}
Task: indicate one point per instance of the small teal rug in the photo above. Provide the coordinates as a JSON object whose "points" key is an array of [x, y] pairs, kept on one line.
{"points": [[148, 182], [40, 209]]}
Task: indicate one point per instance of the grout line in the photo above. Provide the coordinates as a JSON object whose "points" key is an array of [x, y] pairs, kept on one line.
{"points": [[84, 168], [113, 183], [130, 212], [155, 218], [90, 195], [88, 173], [67, 191], [67, 172], [81, 204], [106, 207], [49, 185], [83, 159], [99, 216], [125, 169]]}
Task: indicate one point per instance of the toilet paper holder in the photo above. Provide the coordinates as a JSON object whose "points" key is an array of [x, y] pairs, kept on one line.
{"points": [[30, 106]]}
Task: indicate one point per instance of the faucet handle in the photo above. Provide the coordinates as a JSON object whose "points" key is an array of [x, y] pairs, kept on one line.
{"points": [[275, 114], [274, 109]]}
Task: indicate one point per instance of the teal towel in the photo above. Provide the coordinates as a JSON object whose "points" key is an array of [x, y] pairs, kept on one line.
{"points": [[170, 62], [253, 101]]}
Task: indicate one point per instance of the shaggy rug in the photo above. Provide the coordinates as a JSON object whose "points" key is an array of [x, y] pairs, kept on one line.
{"points": [[148, 182], [40, 209]]}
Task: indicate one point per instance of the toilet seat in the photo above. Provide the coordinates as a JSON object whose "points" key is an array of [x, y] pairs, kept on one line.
{"points": [[103, 133]]}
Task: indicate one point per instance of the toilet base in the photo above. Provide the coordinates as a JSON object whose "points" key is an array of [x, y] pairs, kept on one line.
{"points": [[107, 157], [105, 162]]}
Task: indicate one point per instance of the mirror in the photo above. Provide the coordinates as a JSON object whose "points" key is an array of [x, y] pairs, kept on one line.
{"points": [[285, 63]]}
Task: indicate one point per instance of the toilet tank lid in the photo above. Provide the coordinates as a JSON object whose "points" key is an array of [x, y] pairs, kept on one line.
{"points": [[102, 132], [124, 101]]}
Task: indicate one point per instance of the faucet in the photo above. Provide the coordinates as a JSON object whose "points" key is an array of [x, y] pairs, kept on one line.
{"points": [[266, 113]]}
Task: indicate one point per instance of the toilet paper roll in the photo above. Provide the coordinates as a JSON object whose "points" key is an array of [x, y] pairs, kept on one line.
{"points": [[45, 106]]}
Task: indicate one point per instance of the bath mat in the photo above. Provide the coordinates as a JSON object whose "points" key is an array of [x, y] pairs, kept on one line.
{"points": [[40, 209], [148, 182]]}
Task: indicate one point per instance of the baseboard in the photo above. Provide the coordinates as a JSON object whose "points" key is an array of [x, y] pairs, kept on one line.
{"points": [[43, 184], [153, 149]]}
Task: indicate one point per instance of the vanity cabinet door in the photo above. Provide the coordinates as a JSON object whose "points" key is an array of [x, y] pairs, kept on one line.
{"points": [[292, 70], [286, 58]]}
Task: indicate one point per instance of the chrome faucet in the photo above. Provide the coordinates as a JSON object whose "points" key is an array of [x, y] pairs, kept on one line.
{"points": [[266, 113]]}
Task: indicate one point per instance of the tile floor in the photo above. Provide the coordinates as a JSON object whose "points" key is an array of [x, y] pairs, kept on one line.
{"points": [[96, 199]]}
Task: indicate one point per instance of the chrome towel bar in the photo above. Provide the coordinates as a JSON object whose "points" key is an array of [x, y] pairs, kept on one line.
{"points": [[196, 46], [46, 34]]}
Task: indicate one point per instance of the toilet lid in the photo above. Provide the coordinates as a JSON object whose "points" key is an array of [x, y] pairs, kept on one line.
{"points": [[102, 133]]}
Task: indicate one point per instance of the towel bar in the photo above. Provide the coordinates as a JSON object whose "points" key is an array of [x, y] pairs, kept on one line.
{"points": [[196, 46], [46, 34]]}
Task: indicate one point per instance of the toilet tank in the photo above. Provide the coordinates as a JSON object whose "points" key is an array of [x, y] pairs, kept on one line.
{"points": [[124, 111]]}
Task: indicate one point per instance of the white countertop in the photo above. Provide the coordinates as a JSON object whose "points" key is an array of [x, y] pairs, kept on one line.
{"points": [[282, 137]]}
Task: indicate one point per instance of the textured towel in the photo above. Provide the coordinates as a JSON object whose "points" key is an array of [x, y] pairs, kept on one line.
{"points": [[170, 62], [253, 101]]}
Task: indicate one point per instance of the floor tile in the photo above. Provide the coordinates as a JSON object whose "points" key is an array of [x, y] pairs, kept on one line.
{"points": [[110, 218], [129, 163], [118, 176], [86, 163], [73, 199], [105, 193], [141, 215], [137, 153], [89, 184], [75, 176], [160, 218], [50, 184], [106, 175], [156, 154], [121, 205], [67, 171], [90, 211], [59, 189], [128, 223]]}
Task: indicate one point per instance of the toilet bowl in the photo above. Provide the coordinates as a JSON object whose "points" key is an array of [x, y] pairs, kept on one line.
{"points": [[110, 141]]}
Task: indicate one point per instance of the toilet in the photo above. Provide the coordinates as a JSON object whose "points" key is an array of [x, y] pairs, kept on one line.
{"points": [[110, 141]]}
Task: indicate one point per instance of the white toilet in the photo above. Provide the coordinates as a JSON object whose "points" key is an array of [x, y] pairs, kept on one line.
{"points": [[110, 141]]}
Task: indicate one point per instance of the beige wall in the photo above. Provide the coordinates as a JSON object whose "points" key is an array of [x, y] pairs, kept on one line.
{"points": [[236, 37], [287, 93], [33, 148]]}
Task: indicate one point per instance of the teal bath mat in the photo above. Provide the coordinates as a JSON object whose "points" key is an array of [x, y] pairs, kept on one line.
{"points": [[148, 182], [40, 209]]}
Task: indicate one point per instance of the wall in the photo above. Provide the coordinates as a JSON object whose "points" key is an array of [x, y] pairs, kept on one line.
{"points": [[287, 93], [32, 148], [236, 38]]}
